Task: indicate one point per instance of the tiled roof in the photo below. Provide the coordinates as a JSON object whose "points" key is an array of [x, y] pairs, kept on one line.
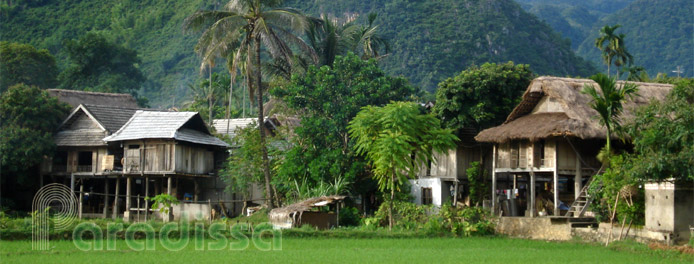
{"points": [[167, 125]]}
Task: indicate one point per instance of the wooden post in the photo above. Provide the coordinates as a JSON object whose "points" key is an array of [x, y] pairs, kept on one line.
{"points": [[493, 178], [556, 180], [81, 199], [209, 204], [578, 179], [532, 193], [138, 208], [146, 196], [115, 199], [105, 197], [337, 214], [128, 185], [455, 193]]}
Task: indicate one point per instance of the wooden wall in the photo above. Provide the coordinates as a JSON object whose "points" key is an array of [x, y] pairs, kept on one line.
{"points": [[523, 154], [193, 159]]}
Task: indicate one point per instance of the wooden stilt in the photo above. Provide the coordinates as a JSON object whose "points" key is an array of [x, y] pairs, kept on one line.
{"points": [[146, 196], [532, 194], [79, 215], [115, 199], [196, 190], [556, 181], [578, 178], [105, 197]]}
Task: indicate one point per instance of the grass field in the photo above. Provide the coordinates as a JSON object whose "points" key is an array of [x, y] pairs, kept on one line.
{"points": [[295, 250]]}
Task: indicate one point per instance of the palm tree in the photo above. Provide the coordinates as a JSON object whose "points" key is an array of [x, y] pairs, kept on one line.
{"points": [[609, 43], [608, 103], [368, 40], [635, 73], [252, 24]]}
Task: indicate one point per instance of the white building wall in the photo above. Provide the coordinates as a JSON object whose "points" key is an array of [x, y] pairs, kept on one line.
{"points": [[436, 186]]}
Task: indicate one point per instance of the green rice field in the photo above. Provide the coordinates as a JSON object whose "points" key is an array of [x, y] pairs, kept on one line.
{"points": [[342, 250]]}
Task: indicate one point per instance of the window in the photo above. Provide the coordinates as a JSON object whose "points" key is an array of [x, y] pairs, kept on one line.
{"points": [[427, 197], [84, 161]]}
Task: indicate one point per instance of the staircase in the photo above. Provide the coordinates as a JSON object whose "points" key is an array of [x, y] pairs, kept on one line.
{"points": [[579, 206]]}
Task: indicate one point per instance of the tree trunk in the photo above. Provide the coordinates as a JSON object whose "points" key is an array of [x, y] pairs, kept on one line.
{"points": [[231, 91], [263, 147], [392, 200], [210, 94]]}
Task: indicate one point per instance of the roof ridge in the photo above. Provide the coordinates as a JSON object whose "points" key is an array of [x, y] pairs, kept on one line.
{"points": [[90, 92]]}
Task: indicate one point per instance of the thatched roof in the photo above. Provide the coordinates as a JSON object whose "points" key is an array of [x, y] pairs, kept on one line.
{"points": [[74, 98], [574, 117], [287, 213]]}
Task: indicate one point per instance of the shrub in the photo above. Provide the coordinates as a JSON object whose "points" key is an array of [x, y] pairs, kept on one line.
{"points": [[349, 216]]}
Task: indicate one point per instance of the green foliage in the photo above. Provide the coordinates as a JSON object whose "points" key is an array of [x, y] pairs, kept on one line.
{"points": [[349, 216], [398, 140], [97, 64], [613, 183], [22, 63], [476, 177], [660, 35], [481, 97], [613, 49], [28, 117], [304, 190], [447, 220], [212, 101], [244, 166], [608, 103], [327, 99], [663, 137], [162, 202]]}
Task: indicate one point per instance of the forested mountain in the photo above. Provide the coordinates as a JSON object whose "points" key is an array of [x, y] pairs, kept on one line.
{"points": [[150, 27], [431, 40], [573, 19], [659, 34]]}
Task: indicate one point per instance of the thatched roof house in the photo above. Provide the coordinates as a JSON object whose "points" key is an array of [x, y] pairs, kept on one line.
{"points": [[553, 106], [298, 214], [553, 137], [74, 98]]}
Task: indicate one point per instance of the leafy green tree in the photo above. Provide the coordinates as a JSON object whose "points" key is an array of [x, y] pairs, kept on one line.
{"points": [[608, 104], [252, 24], [99, 65], [398, 140], [327, 99], [635, 73], [22, 63], [612, 46], [663, 137], [28, 117], [481, 97]]}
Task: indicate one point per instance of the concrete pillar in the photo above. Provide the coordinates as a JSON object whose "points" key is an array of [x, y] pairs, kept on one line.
{"points": [[115, 198], [72, 182], [128, 187], [196, 191], [168, 185], [493, 178], [105, 197], [578, 178]]}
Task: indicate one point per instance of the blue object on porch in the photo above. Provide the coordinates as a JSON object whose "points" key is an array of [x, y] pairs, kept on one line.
{"points": [[187, 197]]}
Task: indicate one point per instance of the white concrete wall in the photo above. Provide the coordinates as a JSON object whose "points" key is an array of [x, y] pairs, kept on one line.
{"points": [[436, 186]]}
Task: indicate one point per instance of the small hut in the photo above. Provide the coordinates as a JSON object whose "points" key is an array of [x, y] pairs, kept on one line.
{"points": [[550, 140], [303, 213]]}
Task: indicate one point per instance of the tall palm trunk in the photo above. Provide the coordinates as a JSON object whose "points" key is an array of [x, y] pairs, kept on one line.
{"points": [[231, 91], [263, 147], [210, 94]]}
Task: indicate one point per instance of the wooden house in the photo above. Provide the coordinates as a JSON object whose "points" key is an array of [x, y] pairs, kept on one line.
{"points": [[160, 147], [545, 152]]}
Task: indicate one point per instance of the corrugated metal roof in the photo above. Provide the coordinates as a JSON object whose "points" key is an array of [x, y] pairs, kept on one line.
{"points": [[169, 125], [238, 123]]}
